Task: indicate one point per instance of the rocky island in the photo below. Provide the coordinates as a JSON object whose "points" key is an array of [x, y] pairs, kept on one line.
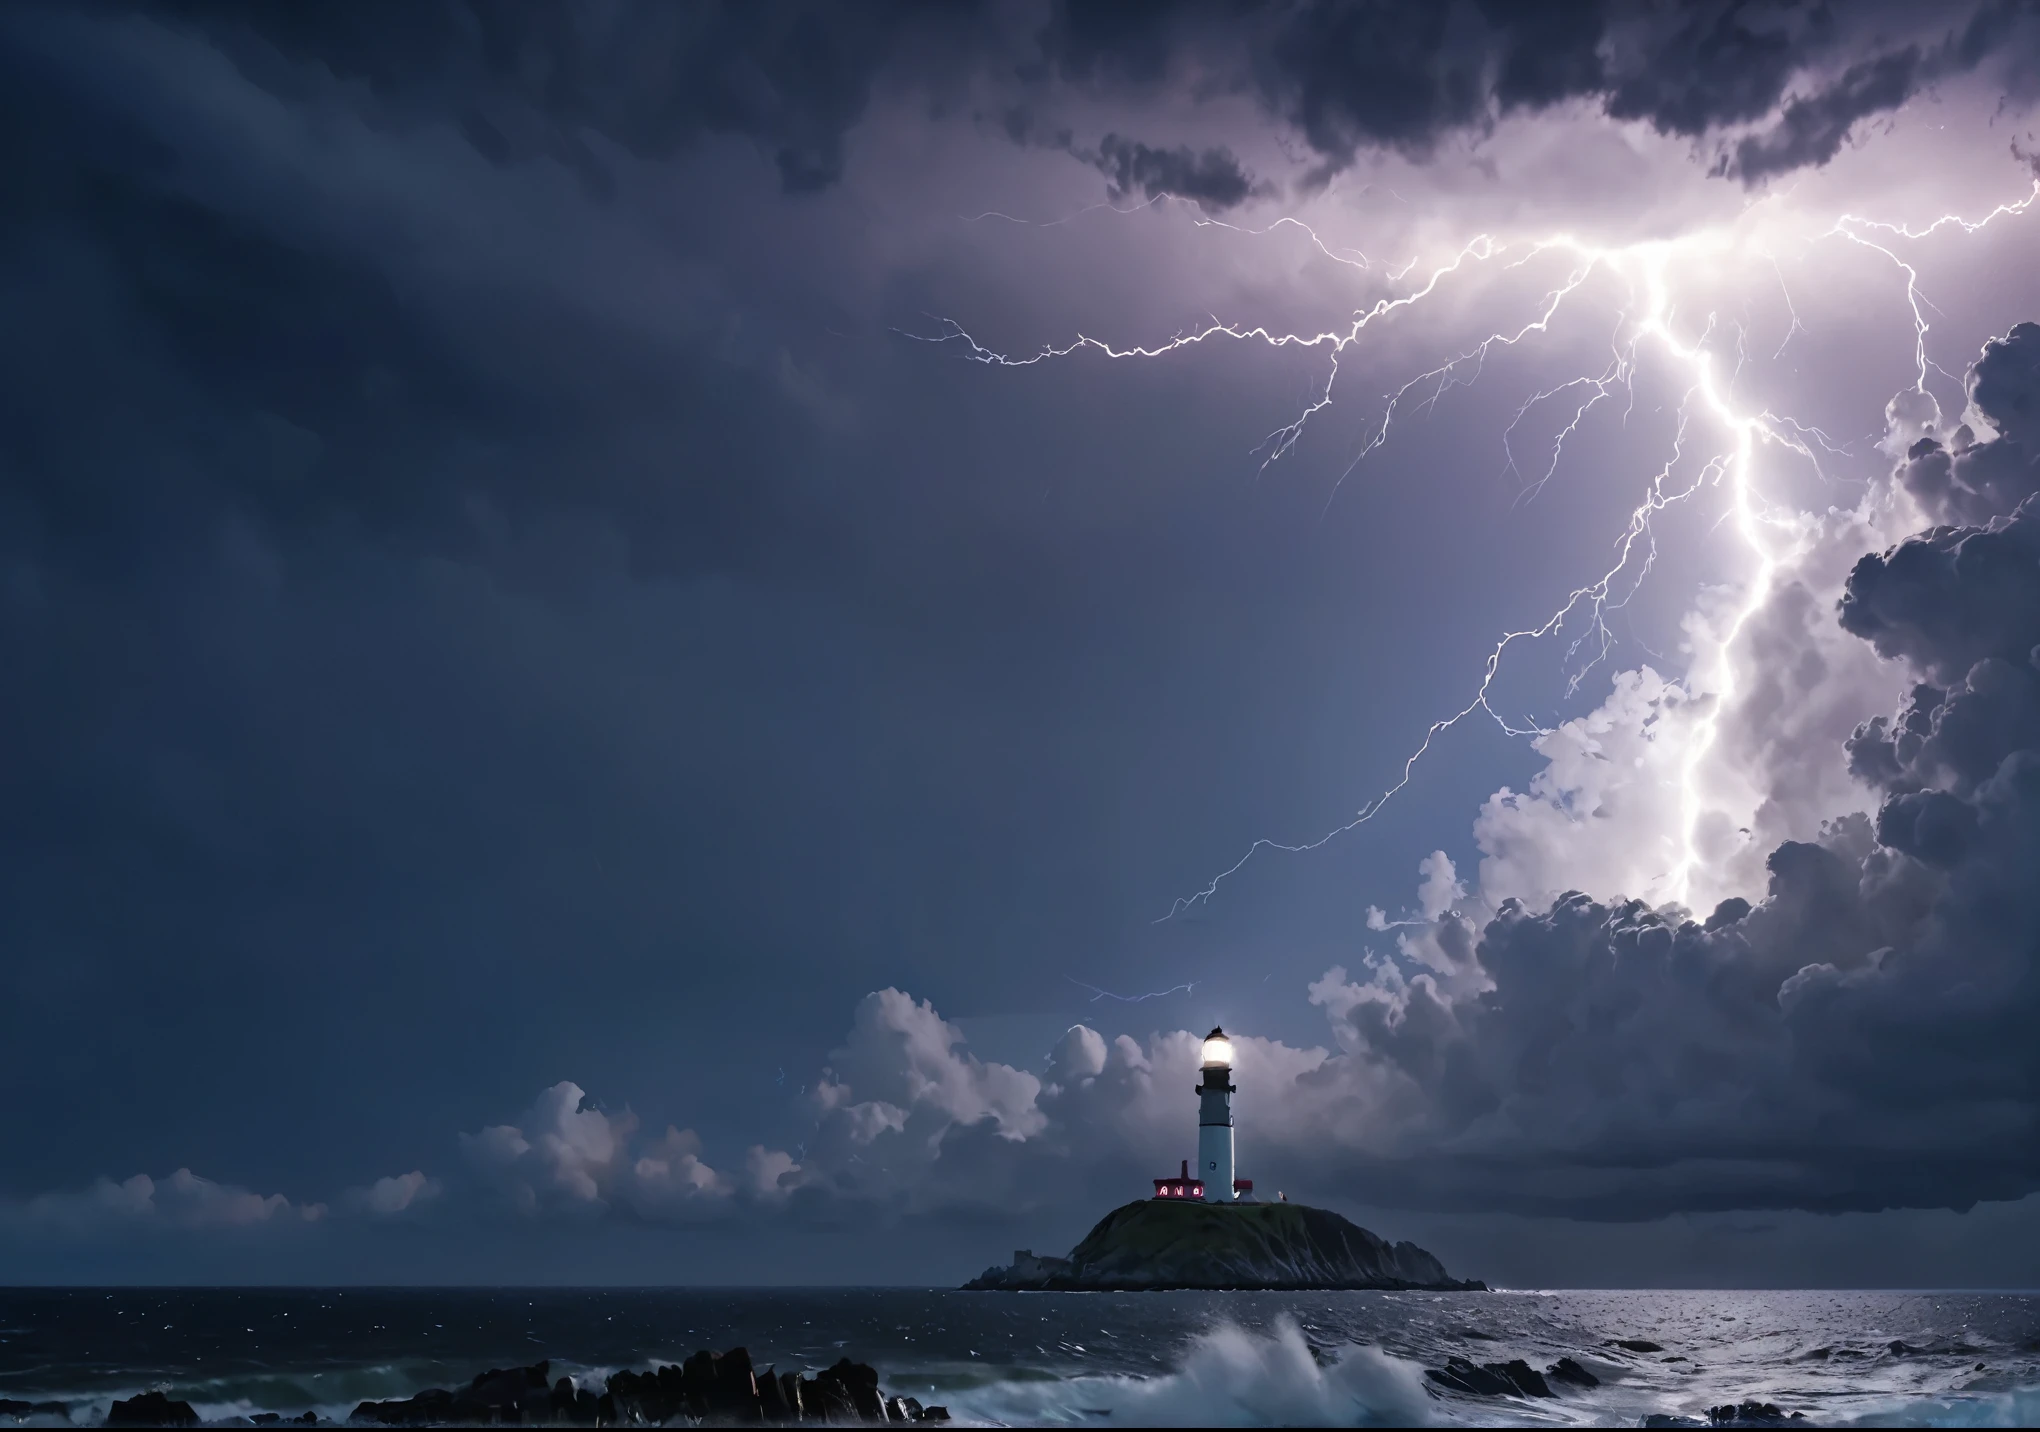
{"points": [[1164, 1243]]}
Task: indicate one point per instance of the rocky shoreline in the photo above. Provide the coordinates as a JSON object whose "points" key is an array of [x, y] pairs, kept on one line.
{"points": [[708, 1387]]}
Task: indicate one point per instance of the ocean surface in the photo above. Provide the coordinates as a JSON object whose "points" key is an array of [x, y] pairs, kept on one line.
{"points": [[1077, 1359]]}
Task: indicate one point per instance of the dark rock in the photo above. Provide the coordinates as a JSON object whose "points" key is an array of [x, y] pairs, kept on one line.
{"points": [[697, 1378], [511, 1386], [1635, 1344], [734, 1391], [1514, 1378], [717, 1388], [1666, 1419], [1899, 1349], [772, 1399], [434, 1407], [823, 1399], [571, 1404], [1753, 1414], [151, 1409], [512, 1394], [1566, 1371], [859, 1382], [652, 1397]]}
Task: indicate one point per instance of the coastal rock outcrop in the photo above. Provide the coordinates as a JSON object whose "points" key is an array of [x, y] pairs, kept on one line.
{"points": [[707, 1387], [1178, 1243], [1514, 1378], [151, 1409]]}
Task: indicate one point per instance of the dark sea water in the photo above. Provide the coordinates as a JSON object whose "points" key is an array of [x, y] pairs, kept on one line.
{"points": [[1089, 1359]]}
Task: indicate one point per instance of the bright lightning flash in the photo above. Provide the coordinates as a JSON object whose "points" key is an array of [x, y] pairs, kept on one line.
{"points": [[1647, 320]]}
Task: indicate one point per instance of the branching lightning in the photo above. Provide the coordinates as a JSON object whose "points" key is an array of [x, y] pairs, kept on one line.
{"points": [[1646, 319], [1098, 994]]}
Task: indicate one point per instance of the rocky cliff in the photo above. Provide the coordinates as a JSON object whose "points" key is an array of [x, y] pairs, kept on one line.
{"points": [[1176, 1243]]}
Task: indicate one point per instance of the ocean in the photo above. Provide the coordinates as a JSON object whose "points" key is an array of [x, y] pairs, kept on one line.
{"points": [[1072, 1359]]}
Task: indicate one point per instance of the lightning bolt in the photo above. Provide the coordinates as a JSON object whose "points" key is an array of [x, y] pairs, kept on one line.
{"points": [[1098, 994], [1645, 319]]}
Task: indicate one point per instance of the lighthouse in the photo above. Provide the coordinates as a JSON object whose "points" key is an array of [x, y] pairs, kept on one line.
{"points": [[1214, 1120], [1213, 1180]]}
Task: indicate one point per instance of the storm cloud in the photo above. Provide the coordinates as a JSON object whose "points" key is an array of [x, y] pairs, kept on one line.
{"points": [[1770, 89]]}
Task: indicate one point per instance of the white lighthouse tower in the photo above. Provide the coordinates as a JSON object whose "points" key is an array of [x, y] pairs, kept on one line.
{"points": [[1214, 1120]]}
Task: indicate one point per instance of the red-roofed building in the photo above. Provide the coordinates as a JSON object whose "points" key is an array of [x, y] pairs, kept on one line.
{"points": [[1181, 1186]]}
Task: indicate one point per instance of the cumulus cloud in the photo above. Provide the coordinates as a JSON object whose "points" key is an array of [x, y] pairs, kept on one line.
{"points": [[561, 1159], [1620, 795], [183, 1202]]}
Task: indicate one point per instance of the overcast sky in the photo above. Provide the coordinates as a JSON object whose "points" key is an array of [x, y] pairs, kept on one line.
{"points": [[656, 643]]}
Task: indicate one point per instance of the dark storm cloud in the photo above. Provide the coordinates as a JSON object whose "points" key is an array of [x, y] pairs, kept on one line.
{"points": [[529, 78], [1966, 481], [1212, 177], [1950, 598], [1352, 77], [1813, 128], [278, 354]]}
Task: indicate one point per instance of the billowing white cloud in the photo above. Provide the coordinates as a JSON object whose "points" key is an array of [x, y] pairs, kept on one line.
{"points": [[563, 1159], [1626, 786]]}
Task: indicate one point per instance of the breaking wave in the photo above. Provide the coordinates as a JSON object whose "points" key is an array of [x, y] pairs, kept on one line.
{"points": [[1226, 1377]]}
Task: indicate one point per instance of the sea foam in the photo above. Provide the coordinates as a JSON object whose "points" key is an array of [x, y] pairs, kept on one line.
{"points": [[1226, 1377]]}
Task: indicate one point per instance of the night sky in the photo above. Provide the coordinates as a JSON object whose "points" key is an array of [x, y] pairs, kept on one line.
{"points": [[692, 643]]}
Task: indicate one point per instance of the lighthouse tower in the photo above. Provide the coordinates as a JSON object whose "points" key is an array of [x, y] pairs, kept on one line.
{"points": [[1214, 1120]]}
